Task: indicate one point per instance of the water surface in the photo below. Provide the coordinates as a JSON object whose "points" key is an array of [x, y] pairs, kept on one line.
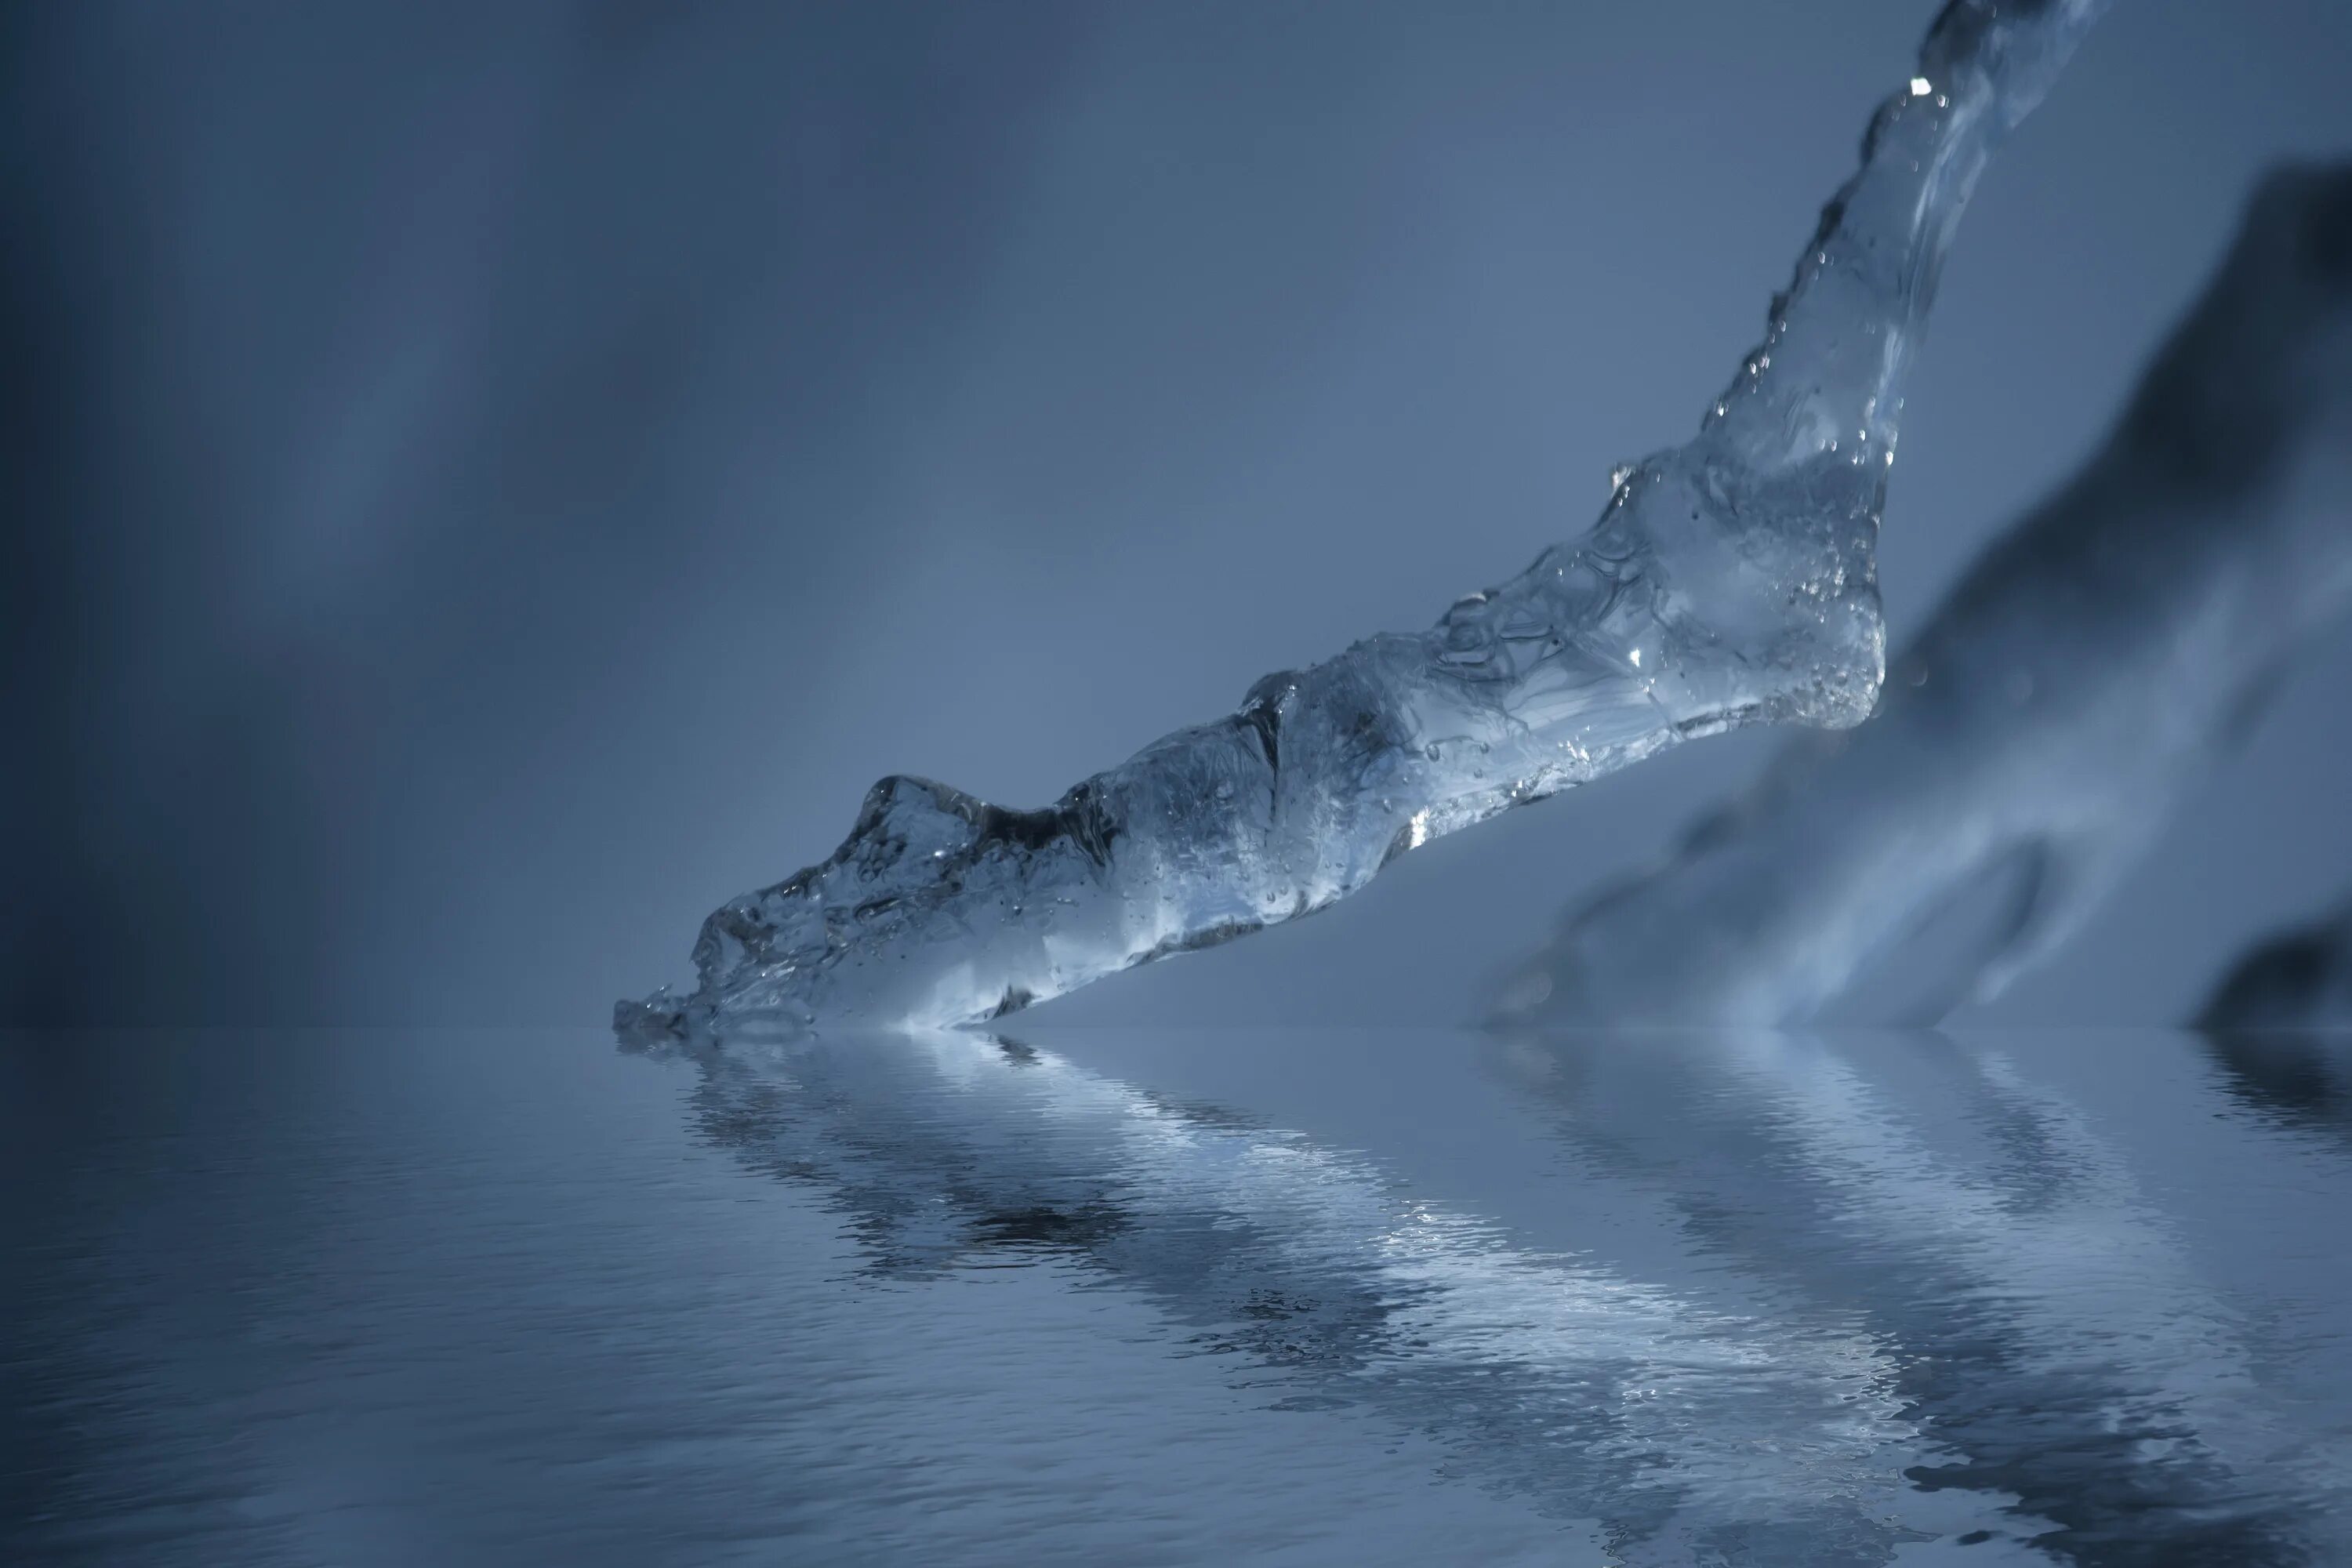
{"points": [[1345, 1296]]}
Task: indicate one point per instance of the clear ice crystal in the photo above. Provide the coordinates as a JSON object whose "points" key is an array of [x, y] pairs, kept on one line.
{"points": [[1729, 580], [2061, 703]]}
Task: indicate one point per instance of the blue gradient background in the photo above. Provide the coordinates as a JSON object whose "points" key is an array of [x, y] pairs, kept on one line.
{"points": [[490, 482]]}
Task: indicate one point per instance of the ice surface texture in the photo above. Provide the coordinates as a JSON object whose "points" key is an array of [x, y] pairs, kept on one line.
{"points": [[2074, 688], [1729, 580]]}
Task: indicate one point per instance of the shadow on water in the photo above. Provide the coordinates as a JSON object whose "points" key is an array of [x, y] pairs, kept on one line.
{"points": [[1902, 1293]]}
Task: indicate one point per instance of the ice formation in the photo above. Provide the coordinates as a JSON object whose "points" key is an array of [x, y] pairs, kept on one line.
{"points": [[1729, 580], [2059, 706], [2302, 980]]}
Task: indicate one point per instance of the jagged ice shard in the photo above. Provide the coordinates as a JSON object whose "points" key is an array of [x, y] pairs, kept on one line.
{"points": [[2080, 681], [1729, 580]]}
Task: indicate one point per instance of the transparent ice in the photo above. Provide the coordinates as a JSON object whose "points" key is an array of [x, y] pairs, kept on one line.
{"points": [[2072, 690], [1729, 580]]}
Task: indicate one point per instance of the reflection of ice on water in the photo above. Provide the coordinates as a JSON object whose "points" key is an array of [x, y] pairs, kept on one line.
{"points": [[1685, 1427], [2299, 981], [2049, 1325], [1917, 1294]]}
